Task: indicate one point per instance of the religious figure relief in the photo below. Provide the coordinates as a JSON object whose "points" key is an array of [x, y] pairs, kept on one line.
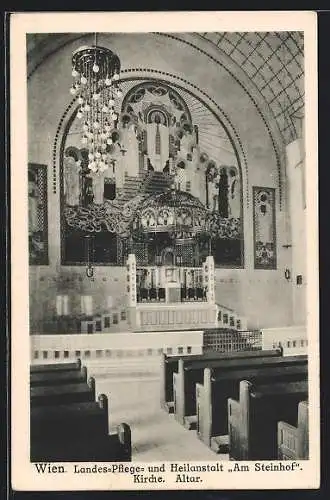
{"points": [[212, 186], [180, 178], [234, 202], [37, 214], [148, 219], [165, 218], [88, 193], [33, 194], [157, 140], [223, 191], [72, 170], [187, 143], [214, 192], [131, 158], [98, 186]]}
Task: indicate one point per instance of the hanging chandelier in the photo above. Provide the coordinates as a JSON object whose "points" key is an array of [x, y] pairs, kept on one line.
{"points": [[95, 72]]}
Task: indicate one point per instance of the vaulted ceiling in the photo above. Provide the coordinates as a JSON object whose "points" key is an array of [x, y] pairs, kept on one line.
{"points": [[275, 64]]}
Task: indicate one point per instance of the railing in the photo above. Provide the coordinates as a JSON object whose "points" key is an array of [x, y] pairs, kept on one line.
{"points": [[61, 348], [232, 341], [159, 294], [292, 339]]}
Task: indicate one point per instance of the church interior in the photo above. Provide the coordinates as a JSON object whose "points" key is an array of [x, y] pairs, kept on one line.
{"points": [[167, 205]]}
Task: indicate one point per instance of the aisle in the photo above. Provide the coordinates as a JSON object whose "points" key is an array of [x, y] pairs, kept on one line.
{"points": [[156, 436]]}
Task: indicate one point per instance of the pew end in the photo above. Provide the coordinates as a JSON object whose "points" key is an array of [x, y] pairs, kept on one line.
{"points": [[91, 385], [253, 428], [125, 439], [162, 381], [293, 442], [233, 426], [103, 403]]}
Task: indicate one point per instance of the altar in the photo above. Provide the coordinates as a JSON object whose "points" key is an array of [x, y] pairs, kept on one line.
{"points": [[168, 296]]}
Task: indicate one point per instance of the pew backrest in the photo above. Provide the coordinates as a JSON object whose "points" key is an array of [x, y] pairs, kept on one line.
{"points": [[59, 377], [235, 363], [212, 395], [112, 448], [63, 394], [75, 420], [51, 367], [169, 365], [192, 372]]}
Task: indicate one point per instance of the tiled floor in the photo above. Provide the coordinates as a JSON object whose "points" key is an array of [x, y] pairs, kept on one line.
{"points": [[156, 436]]}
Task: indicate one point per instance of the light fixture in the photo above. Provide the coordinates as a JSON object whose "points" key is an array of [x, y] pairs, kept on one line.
{"points": [[287, 274], [95, 73]]}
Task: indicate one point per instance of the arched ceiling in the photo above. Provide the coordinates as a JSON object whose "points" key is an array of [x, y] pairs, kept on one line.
{"points": [[273, 61]]}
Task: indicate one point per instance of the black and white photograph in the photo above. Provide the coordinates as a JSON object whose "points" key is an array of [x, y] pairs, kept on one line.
{"points": [[168, 231]]}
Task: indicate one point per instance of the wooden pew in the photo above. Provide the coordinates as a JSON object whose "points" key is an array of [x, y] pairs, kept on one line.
{"points": [[78, 432], [52, 395], [58, 377], [252, 421], [70, 421], [192, 372], [111, 448], [212, 396], [169, 365], [56, 367], [293, 441]]}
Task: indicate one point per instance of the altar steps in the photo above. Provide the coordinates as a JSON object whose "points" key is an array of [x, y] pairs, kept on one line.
{"points": [[132, 187], [157, 182]]}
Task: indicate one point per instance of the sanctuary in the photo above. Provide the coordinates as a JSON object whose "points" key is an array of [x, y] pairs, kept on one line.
{"points": [[162, 197]]}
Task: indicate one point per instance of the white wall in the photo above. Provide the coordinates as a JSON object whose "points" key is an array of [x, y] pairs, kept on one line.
{"points": [[297, 202]]}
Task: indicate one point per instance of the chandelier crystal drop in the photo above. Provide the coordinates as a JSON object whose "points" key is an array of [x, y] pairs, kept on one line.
{"points": [[95, 84]]}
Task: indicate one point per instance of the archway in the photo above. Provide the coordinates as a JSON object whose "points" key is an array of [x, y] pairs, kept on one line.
{"points": [[168, 256]]}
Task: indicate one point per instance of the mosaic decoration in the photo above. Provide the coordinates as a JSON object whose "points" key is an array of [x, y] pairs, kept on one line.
{"points": [[162, 188], [264, 228], [37, 218]]}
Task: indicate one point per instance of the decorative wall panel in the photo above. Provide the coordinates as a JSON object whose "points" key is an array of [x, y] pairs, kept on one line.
{"points": [[264, 228], [37, 220]]}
